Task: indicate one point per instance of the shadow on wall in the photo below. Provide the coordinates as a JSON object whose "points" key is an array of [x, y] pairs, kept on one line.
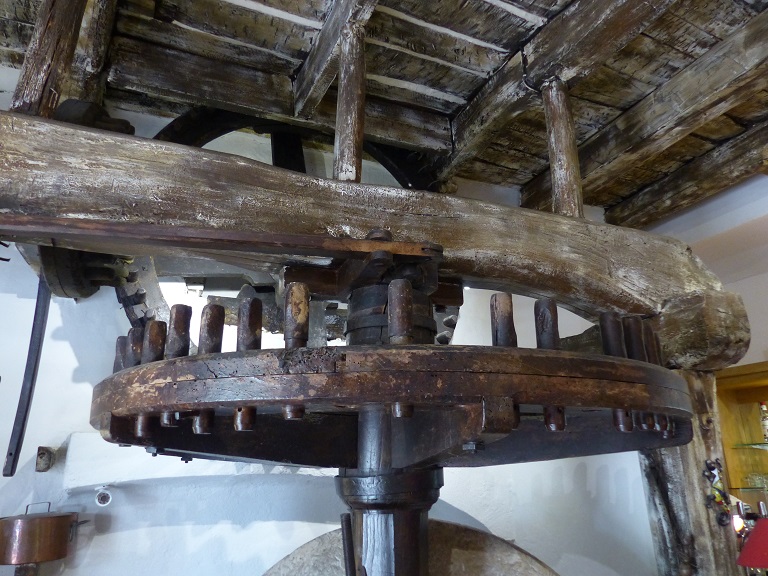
{"points": [[91, 327], [579, 498], [240, 524], [16, 277]]}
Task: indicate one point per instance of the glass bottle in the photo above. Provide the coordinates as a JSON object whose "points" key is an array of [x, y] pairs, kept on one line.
{"points": [[764, 420]]}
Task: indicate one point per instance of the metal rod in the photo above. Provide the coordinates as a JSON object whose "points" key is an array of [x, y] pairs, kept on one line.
{"points": [[42, 305], [349, 545]]}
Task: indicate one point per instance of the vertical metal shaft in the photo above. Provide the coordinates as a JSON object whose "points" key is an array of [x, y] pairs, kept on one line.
{"points": [[42, 305], [349, 545], [548, 336]]}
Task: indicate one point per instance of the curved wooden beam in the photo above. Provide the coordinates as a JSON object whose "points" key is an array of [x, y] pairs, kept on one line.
{"points": [[53, 170]]}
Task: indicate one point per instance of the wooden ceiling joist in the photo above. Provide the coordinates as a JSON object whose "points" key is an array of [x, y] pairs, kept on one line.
{"points": [[182, 77], [204, 44], [723, 77], [702, 178], [322, 64], [575, 42]]}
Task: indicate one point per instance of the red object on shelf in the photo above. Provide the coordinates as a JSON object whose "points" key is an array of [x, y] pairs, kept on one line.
{"points": [[755, 551]]}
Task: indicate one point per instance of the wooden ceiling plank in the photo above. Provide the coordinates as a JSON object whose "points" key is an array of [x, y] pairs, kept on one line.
{"points": [[20, 10], [284, 35], [204, 44], [702, 178], [322, 64], [11, 58], [611, 88], [437, 44], [474, 19], [649, 60], [187, 78], [57, 171], [571, 46], [719, 129], [719, 80], [14, 35], [397, 91], [753, 110], [410, 68]]}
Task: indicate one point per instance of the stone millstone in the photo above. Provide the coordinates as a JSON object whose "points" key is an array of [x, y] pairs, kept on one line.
{"points": [[454, 550]]}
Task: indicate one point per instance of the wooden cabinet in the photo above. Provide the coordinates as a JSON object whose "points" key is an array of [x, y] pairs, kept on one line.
{"points": [[739, 392]]}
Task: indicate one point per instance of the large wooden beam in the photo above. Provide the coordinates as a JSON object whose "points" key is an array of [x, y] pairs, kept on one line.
{"points": [[719, 80], [322, 64], [174, 75], [573, 44], [48, 57], [54, 170], [698, 180]]}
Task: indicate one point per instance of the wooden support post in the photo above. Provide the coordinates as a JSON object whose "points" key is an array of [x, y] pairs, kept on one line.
{"points": [[89, 68], [563, 152], [688, 539], [350, 108], [48, 57]]}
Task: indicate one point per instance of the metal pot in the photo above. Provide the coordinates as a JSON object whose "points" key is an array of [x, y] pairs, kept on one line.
{"points": [[33, 538]]}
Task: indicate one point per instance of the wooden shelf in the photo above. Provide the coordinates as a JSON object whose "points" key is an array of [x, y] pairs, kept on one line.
{"points": [[758, 445], [739, 391]]}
